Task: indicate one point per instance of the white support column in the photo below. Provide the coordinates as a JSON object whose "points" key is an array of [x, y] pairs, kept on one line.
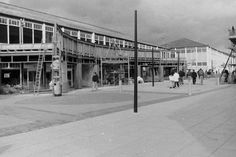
{"points": [[79, 35], [32, 33], [44, 33], [8, 32], [93, 37], [21, 83], [104, 40], [207, 57]]}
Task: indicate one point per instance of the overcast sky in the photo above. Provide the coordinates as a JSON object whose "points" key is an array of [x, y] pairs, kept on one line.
{"points": [[159, 21]]}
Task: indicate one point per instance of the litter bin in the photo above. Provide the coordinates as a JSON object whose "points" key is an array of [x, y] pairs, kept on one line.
{"points": [[57, 89]]}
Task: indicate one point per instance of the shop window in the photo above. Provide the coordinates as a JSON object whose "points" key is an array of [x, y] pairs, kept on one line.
{"points": [[74, 34], [88, 37], [172, 55], [27, 35], [107, 41], [38, 26], [14, 35], [49, 36], [82, 36], [37, 36], [96, 39], [3, 33], [100, 38]]}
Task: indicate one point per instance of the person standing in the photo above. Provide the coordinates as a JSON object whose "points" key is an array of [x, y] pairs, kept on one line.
{"points": [[201, 75], [194, 76], [95, 81]]}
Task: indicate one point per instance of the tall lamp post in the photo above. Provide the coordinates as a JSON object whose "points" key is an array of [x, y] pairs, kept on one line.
{"points": [[178, 61], [135, 64], [152, 67]]}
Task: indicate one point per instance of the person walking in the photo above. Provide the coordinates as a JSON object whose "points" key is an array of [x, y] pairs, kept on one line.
{"points": [[201, 75], [181, 77], [95, 81], [176, 79], [194, 76]]}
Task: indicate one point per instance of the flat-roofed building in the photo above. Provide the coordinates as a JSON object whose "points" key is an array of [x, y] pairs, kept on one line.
{"points": [[199, 55], [29, 38]]}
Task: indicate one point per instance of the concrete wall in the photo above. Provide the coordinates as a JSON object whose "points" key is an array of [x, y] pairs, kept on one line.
{"points": [[65, 84]]}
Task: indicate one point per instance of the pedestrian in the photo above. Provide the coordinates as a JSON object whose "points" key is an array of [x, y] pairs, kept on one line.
{"points": [[194, 76], [201, 75], [95, 81], [176, 79], [226, 75], [181, 77]]}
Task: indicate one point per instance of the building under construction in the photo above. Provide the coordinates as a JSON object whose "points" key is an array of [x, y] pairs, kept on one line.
{"points": [[37, 48]]}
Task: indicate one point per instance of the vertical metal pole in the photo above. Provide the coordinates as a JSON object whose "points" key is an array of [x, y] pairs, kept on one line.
{"points": [[101, 73], [160, 76], [152, 67], [178, 62], [135, 64], [128, 70]]}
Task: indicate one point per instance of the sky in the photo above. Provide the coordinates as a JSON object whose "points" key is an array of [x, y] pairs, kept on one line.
{"points": [[159, 21]]}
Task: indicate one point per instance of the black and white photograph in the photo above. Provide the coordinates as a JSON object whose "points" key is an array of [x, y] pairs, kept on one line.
{"points": [[117, 78]]}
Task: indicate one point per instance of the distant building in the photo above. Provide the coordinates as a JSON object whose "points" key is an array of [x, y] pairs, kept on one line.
{"points": [[198, 55]]}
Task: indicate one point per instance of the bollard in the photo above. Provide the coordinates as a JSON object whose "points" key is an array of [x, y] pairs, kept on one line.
{"points": [[217, 81], [189, 86], [120, 85]]}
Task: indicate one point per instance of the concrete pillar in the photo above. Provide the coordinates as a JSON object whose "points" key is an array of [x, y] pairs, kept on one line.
{"points": [[78, 76], [139, 70], [161, 73], [65, 84], [21, 73]]}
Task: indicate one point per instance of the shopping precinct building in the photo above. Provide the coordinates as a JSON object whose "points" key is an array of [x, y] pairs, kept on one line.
{"points": [[37, 47]]}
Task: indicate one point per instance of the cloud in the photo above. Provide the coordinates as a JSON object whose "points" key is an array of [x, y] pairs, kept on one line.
{"points": [[159, 21], [5, 1]]}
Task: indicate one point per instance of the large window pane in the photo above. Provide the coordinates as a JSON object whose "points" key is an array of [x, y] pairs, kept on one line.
{"points": [[3, 34], [37, 36], [49, 37], [14, 35], [27, 35]]}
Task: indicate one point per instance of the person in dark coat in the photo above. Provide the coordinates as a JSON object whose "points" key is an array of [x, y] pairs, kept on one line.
{"points": [[95, 81], [194, 76], [181, 77], [201, 75]]}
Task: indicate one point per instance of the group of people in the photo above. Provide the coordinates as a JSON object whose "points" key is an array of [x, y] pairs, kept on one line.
{"points": [[176, 78]]}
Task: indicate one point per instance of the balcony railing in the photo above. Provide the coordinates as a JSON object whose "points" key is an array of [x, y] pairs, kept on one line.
{"points": [[24, 47]]}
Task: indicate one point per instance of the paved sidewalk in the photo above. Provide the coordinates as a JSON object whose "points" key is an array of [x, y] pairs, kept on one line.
{"points": [[201, 125]]}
